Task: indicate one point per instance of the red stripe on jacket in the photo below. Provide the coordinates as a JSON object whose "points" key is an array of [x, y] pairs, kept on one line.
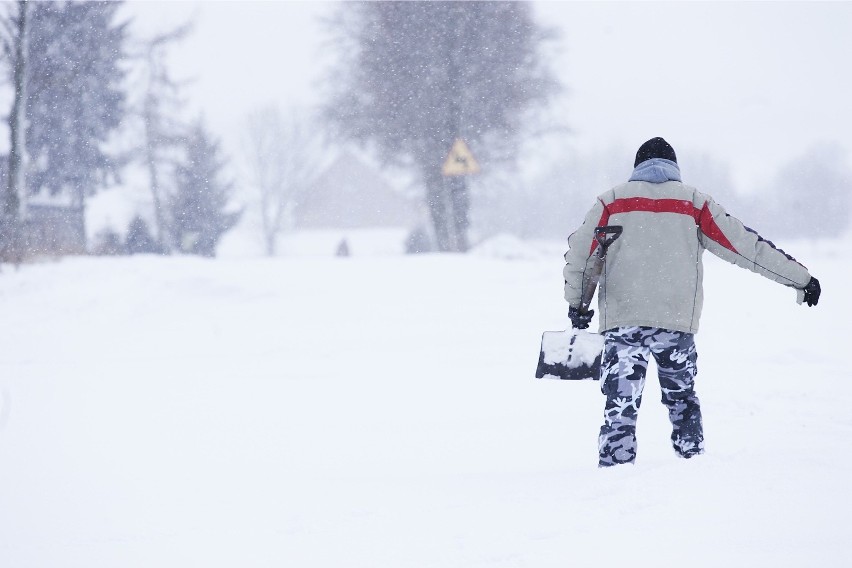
{"points": [[705, 221], [703, 218]]}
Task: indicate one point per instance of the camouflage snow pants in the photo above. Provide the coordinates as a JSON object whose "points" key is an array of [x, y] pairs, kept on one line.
{"points": [[623, 368]]}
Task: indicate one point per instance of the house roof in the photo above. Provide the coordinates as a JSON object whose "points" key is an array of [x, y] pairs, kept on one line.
{"points": [[351, 194]]}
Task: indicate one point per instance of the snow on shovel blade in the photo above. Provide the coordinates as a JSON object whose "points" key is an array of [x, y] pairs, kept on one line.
{"points": [[570, 355]]}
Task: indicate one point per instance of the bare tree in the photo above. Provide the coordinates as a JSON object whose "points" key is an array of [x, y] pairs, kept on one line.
{"points": [[281, 155], [412, 77], [163, 130]]}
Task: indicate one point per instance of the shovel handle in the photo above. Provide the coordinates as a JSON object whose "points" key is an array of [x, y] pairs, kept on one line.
{"points": [[605, 236]]}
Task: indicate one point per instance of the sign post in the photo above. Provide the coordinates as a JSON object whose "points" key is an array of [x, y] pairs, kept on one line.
{"points": [[458, 164]]}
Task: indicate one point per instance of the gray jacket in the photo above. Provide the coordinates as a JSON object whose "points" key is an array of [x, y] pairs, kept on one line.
{"points": [[653, 272]]}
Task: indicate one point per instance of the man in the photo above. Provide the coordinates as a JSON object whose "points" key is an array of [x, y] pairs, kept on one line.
{"points": [[650, 293]]}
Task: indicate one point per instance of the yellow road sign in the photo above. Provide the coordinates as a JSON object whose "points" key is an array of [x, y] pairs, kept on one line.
{"points": [[460, 161]]}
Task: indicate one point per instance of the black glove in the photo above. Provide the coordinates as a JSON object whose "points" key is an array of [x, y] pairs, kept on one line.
{"points": [[812, 292], [580, 320]]}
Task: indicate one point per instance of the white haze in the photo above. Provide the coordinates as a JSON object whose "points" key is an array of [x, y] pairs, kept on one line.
{"points": [[752, 85]]}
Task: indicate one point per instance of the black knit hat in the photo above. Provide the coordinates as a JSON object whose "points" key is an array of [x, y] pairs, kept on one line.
{"points": [[655, 148]]}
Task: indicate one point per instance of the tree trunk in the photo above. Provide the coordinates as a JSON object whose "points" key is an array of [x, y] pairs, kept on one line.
{"points": [[455, 187], [153, 175], [448, 199], [440, 210], [271, 212], [270, 228], [460, 197], [12, 209]]}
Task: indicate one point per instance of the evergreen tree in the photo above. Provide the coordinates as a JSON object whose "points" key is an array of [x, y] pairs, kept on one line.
{"points": [[139, 239], [199, 207], [414, 76], [108, 243], [75, 97]]}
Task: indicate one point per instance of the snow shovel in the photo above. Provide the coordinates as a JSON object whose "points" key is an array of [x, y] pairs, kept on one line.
{"points": [[575, 354]]}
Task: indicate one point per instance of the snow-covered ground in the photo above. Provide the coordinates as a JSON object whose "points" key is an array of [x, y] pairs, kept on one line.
{"points": [[381, 411]]}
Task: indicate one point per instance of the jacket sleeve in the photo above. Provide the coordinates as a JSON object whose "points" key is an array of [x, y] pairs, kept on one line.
{"points": [[726, 237], [581, 244]]}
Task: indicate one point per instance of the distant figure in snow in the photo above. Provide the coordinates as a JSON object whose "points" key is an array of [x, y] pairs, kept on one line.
{"points": [[342, 248], [650, 293]]}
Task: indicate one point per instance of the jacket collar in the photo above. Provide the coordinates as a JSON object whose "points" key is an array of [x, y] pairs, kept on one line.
{"points": [[656, 170]]}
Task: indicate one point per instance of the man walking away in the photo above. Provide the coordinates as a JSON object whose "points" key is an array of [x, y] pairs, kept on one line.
{"points": [[650, 293]]}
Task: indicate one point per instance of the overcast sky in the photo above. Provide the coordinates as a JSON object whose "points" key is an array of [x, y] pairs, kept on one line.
{"points": [[752, 83]]}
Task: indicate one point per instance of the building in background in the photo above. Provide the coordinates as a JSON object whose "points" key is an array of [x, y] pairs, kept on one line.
{"points": [[55, 229], [352, 195]]}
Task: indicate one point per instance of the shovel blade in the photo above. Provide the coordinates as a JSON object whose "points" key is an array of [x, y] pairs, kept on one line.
{"points": [[570, 355]]}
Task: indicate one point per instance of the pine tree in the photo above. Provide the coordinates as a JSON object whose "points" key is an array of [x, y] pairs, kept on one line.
{"points": [[75, 96], [199, 207], [139, 239]]}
